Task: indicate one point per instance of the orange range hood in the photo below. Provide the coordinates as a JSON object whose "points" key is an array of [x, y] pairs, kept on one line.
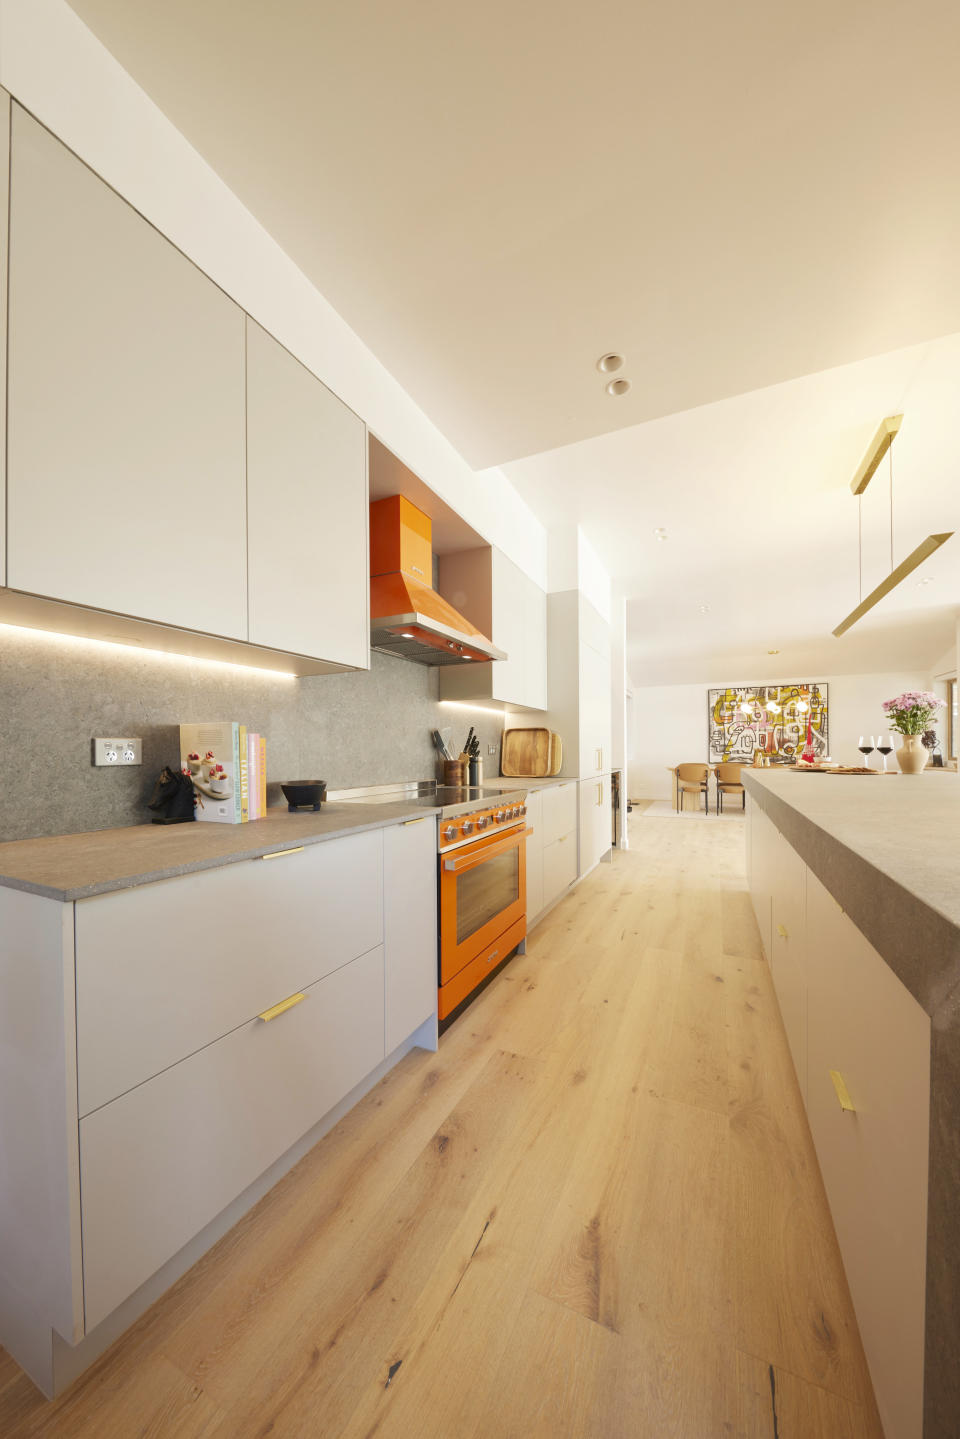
{"points": [[407, 616]]}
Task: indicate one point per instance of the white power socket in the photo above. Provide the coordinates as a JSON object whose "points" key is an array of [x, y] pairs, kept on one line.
{"points": [[116, 751]]}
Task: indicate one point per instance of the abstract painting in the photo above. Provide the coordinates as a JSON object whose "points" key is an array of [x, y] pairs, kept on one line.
{"points": [[773, 719]]}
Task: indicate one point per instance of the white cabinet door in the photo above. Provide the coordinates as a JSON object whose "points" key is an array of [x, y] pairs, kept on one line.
{"points": [[508, 595], [307, 508], [866, 1026], [164, 969], [163, 1160], [595, 828], [410, 927], [764, 840], [788, 950], [126, 487], [559, 811], [594, 711], [559, 867], [534, 855]]}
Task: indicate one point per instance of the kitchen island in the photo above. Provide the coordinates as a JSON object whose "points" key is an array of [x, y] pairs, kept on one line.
{"points": [[854, 881]]}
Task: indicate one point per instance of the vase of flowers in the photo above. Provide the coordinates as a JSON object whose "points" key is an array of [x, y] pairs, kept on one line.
{"points": [[911, 714]]}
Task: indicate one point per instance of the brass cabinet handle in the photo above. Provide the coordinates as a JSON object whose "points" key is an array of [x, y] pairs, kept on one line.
{"points": [[421, 820], [600, 793], [782, 931], [279, 853], [276, 1010], [843, 1094]]}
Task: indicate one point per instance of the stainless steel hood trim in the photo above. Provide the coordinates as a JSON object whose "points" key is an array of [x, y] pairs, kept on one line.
{"points": [[383, 640]]}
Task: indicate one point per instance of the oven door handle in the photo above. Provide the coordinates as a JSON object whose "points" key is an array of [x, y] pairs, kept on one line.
{"points": [[458, 866]]}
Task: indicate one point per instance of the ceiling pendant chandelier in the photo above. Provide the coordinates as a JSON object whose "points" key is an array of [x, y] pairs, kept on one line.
{"points": [[878, 447]]}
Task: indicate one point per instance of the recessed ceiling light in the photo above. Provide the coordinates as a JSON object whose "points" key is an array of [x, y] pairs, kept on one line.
{"points": [[661, 534], [704, 609], [618, 387], [610, 364], [773, 652], [927, 580]]}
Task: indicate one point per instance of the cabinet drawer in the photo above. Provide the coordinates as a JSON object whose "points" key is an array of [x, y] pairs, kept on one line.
{"points": [[559, 867], [787, 951], [559, 811], [159, 1163], [163, 969], [864, 1024]]}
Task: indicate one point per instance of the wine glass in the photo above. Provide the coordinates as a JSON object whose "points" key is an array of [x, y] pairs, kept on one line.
{"points": [[885, 747], [866, 749]]}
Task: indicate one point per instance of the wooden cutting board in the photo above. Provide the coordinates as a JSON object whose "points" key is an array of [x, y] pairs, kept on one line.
{"points": [[525, 753], [556, 753]]}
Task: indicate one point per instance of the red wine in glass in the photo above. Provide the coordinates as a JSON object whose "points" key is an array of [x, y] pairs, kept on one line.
{"points": [[865, 749], [884, 747]]}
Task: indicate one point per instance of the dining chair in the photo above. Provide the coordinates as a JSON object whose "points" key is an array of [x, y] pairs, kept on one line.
{"points": [[692, 779], [728, 782]]}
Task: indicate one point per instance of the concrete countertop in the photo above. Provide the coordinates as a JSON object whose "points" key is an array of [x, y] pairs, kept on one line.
{"points": [[888, 850], [76, 866], [504, 783]]}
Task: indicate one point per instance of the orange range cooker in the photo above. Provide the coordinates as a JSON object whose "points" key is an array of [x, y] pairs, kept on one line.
{"points": [[483, 892]]}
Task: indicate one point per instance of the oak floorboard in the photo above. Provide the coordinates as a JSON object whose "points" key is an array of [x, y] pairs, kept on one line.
{"points": [[595, 1213]]}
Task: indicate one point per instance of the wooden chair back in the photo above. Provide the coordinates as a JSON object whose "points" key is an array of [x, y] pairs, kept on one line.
{"points": [[727, 772], [692, 773]]}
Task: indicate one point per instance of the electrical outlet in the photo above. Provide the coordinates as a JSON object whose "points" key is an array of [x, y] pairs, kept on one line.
{"points": [[117, 751], [491, 749]]}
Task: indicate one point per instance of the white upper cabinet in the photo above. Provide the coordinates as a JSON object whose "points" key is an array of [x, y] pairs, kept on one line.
{"points": [[307, 509], [510, 609], [126, 486]]}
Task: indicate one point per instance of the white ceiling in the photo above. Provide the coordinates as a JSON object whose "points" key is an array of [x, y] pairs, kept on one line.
{"points": [[734, 197]]}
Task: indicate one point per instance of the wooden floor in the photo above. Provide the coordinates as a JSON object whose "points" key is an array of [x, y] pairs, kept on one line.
{"points": [[595, 1213]]}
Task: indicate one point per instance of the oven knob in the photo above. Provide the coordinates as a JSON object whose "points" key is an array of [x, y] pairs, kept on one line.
{"points": [[500, 816], [515, 812], [482, 822], [523, 810], [467, 826], [450, 832]]}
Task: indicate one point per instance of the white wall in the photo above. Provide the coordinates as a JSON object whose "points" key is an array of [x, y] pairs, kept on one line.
{"points": [[669, 722], [60, 72]]}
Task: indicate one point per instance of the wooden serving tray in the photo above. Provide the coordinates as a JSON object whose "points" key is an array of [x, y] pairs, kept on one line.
{"points": [[525, 753], [839, 769]]}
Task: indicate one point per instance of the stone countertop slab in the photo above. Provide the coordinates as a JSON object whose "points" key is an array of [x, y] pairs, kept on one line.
{"points": [[76, 866], [888, 850], [528, 782]]}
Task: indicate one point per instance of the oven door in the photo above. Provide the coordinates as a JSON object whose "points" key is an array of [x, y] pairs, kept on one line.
{"points": [[483, 891]]}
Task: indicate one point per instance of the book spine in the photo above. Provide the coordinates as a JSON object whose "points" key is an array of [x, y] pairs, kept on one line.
{"points": [[237, 808], [253, 766], [263, 774], [244, 773]]}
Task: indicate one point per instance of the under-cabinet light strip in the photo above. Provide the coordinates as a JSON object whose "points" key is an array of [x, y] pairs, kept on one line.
{"points": [[132, 649]]}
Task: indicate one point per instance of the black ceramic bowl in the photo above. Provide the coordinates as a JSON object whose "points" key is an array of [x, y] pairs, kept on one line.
{"points": [[299, 792]]}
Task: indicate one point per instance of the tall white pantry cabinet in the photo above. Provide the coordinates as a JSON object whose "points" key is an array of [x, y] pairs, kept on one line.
{"points": [[167, 460], [169, 1049]]}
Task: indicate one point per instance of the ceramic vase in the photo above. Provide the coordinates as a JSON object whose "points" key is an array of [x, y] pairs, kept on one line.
{"points": [[911, 756]]}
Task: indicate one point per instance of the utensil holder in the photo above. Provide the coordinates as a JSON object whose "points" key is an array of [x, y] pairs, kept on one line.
{"points": [[455, 771]]}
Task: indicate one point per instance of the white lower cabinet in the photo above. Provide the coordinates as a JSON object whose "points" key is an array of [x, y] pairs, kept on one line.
{"points": [[410, 925], [173, 1042], [534, 855], [163, 969], [595, 825], [559, 866], [552, 848], [160, 1162]]}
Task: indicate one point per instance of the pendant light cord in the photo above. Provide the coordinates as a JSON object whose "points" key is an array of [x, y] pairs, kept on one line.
{"points": [[890, 453]]}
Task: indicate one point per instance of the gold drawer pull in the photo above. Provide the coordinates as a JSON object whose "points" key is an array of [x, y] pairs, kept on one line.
{"points": [[782, 931], [279, 853], [421, 820], [843, 1093], [281, 1008]]}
